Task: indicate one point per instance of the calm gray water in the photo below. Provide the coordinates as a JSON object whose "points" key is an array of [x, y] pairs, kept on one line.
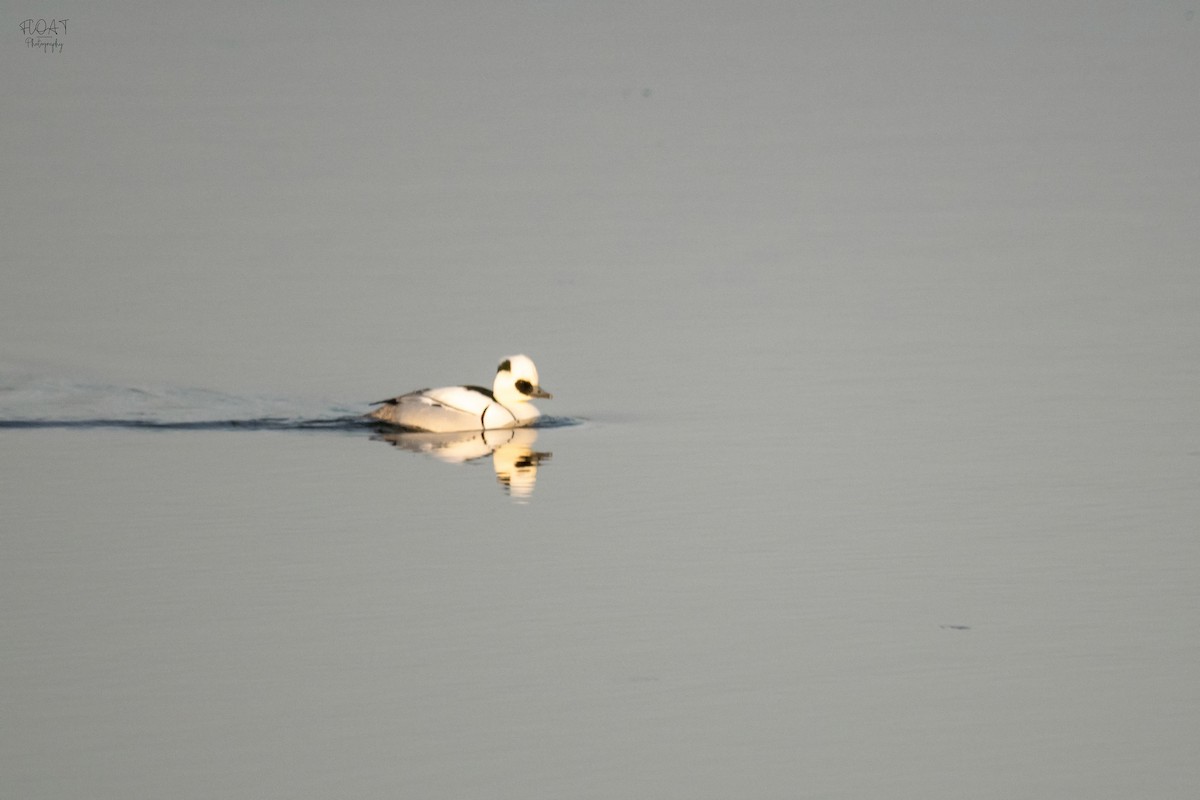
{"points": [[874, 466]]}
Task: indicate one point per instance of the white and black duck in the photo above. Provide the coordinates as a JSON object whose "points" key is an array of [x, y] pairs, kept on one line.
{"points": [[469, 408]]}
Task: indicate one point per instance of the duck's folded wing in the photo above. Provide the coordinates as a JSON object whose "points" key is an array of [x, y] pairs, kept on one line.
{"points": [[454, 408]]}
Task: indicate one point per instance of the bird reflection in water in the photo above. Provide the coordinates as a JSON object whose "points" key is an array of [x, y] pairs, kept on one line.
{"points": [[513, 457]]}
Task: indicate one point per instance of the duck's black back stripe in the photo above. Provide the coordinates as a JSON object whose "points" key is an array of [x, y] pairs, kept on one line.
{"points": [[482, 390]]}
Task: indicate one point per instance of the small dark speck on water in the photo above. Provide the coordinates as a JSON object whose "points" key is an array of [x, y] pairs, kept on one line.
{"points": [[956, 627]]}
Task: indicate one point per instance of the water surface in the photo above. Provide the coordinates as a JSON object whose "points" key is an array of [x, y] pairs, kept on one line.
{"points": [[875, 329]]}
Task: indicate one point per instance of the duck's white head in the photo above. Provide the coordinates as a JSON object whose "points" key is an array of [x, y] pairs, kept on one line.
{"points": [[517, 381]]}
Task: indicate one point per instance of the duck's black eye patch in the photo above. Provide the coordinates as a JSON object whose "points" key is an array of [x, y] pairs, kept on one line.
{"points": [[524, 387], [505, 366]]}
